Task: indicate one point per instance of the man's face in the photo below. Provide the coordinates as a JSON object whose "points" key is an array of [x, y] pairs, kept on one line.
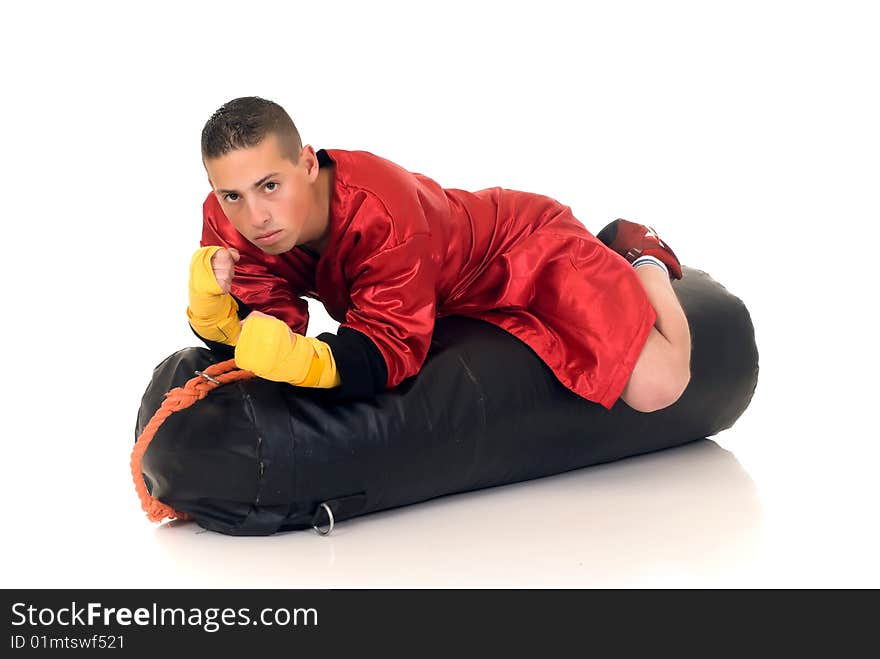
{"points": [[262, 192]]}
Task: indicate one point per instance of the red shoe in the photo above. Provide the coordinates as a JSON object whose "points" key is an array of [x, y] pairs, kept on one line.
{"points": [[632, 240]]}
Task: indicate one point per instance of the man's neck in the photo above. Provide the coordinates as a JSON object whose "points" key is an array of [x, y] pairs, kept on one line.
{"points": [[325, 191]]}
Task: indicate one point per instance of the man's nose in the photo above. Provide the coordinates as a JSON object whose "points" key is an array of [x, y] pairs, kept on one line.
{"points": [[258, 214]]}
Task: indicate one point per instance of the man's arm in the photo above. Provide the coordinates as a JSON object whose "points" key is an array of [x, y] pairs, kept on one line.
{"points": [[394, 306], [271, 348], [359, 363], [348, 362]]}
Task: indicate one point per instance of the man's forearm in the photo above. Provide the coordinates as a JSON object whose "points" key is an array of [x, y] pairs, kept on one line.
{"points": [[224, 328]]}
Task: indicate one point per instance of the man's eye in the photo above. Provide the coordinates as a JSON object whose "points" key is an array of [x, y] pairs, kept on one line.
{"points": [[272, 183], [231, 194]]}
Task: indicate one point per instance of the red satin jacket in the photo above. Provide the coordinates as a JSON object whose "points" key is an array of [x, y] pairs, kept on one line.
{"points": [[404, 251]]}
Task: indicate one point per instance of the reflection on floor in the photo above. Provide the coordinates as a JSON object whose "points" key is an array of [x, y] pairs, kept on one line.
{"points": [[683, 516]]}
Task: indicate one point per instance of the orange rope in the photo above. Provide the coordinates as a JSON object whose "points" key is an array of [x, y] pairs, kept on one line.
{"points": [[177, 399]]}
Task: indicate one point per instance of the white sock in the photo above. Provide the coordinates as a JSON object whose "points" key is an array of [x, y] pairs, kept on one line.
{"points": [[653, 260]]}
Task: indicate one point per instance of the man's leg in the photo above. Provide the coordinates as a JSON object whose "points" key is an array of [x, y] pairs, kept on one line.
{"points": [[662, 371]]}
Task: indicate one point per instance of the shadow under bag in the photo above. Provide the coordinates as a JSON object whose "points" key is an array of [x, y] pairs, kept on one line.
{"points": [[255, 457]]}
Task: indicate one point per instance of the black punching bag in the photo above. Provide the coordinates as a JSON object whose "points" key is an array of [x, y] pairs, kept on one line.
{"points": [[256, 457]]}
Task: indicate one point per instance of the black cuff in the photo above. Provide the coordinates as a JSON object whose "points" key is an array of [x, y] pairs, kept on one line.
{"points": [[360, 365], [222, 350], [243, 309]]}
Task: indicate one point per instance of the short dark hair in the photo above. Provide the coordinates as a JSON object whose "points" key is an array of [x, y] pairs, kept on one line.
{"points": [[244, 122]]}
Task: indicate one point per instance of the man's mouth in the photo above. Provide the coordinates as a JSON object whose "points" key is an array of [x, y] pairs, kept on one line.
{"points": [[268, 237]]}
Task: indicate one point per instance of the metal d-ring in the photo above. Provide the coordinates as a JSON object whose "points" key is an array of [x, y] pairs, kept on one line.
{"points": [[208, 377], [330, 517]]}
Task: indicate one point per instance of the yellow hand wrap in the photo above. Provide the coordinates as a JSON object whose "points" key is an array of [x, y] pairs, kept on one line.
{"points": [[212, 313], [271, 350]]}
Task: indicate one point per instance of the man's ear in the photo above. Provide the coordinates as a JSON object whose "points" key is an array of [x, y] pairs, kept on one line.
{"points": [[313, 159]]}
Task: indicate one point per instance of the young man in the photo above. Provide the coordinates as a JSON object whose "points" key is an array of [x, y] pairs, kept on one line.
{"points": [[387, 251]]}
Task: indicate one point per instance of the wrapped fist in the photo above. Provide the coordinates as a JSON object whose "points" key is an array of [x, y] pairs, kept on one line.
{"points": [[212, 311], [270, 349]]}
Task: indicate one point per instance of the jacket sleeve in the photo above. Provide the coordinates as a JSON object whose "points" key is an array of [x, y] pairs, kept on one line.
{"points": [[393, 304]]}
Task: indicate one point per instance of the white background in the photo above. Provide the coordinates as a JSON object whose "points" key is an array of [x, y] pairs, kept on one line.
{"points": [[746, 133]]}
